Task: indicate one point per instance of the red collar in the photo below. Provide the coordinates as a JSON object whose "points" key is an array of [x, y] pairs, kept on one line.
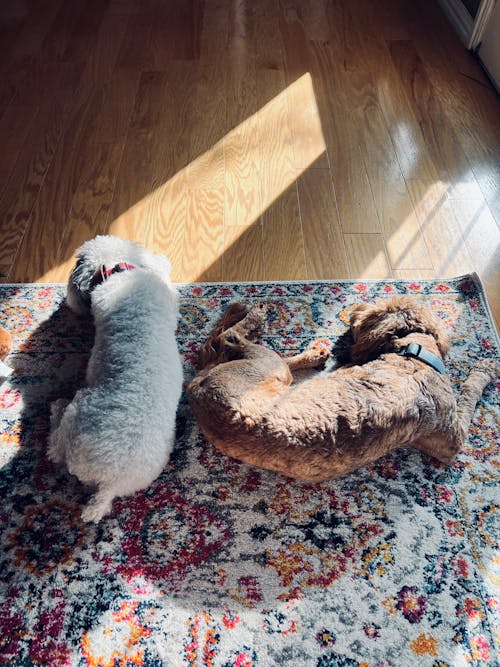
{"points": [[103, 273]]}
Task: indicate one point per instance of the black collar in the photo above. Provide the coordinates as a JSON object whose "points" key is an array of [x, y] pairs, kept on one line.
{"points": [[418, 352]]}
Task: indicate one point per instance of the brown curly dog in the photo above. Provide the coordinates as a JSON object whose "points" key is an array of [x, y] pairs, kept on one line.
{"points": [[395, 394]]}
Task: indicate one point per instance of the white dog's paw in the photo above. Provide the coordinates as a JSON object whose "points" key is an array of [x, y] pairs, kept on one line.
{"points": [[98, 506]]}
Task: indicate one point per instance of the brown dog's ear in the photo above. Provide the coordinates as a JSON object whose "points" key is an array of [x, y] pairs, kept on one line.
{"points": [[376, 327], [374, 332]]}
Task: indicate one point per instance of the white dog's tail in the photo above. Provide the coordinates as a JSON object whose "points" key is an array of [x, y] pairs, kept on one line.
{"points": [[98, 505]]}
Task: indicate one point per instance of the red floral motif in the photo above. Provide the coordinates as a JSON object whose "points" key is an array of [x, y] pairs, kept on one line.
{"points": [[460, 566], [410, 604], [480, 649], [230, 619], [8, 398], [444, 494], [472, 609], [161, 524], [487, 344], [127, 630]]}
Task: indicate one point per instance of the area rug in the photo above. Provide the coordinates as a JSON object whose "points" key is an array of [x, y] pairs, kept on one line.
{"points": [[222, 564]]}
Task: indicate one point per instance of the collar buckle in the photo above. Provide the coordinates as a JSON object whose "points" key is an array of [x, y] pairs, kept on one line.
{"points": [[416, 351]]}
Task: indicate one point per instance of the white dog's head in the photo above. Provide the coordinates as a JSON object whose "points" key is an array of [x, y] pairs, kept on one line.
{"points": [[108, 251]]}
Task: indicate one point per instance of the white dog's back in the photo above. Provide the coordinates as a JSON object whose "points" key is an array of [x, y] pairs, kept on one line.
{"points": [[118, 432]]}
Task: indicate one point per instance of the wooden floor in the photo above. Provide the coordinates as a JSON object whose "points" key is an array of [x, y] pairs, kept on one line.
{"points": [[248, 139]]}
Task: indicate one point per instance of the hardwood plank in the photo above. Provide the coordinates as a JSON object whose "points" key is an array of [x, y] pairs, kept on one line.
{"points": [[243, 257], [243, 204], [447, 154], [469, 101], [242, 151], [38, 77], [395, 102], [208, 124], [26, 181], [482, 240], [13, 16], [169, 160], [167, 218], [15, 125], [274, 138], [414, 274], [130, 211], [323, 242], [309, 145], [114, 107], [135, 50], [88, 215], [35, 29], [202, 246], [284, 256], [175, 32], [58, 37], [53, 202], [403, 240], [102, 58], [82, 39], [366, 255], [352, 188], [440, 229]]}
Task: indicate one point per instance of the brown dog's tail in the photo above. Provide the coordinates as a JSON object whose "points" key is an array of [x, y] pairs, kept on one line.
{"points": [[211, 350]]}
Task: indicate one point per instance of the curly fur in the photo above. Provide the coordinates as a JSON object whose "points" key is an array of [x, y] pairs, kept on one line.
{"points": [[328, 425], [117, 433]]}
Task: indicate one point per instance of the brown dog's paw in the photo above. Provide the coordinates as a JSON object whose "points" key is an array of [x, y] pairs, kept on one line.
{"points": [[490, 368], [321, 350], [255, 319]]}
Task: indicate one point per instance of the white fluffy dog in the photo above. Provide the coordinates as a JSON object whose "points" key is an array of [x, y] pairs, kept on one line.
{"points": [[117, 433]]}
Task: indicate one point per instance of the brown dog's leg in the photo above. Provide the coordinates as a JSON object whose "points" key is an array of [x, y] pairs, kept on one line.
{"points": [[483, 372], [237, 318], [445, 445], [251, 323]]}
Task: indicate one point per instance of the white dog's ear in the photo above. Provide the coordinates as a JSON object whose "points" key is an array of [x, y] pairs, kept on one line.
{"points": [[161, 266], [78, 292]]}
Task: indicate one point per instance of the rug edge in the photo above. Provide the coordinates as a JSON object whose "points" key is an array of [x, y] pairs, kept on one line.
{"points": [[472, 275]]}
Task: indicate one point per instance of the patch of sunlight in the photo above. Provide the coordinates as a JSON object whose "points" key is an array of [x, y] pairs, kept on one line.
{"points": [[374, 267], [244, 172], [230, 185]]}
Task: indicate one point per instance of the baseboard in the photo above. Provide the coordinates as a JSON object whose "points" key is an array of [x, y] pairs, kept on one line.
{"points": [[460, 19]]}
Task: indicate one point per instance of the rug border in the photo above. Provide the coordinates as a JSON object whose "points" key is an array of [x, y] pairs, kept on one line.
{"points": [[473, 275]]}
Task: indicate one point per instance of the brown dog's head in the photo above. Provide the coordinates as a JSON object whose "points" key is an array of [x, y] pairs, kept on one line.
{"points": [[376, 326]]}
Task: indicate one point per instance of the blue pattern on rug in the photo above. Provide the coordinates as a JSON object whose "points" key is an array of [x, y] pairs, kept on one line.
{"points": [[222, 564]]}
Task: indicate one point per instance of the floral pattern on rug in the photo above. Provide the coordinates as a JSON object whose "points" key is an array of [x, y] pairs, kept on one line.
{"points": [[222, 564]]}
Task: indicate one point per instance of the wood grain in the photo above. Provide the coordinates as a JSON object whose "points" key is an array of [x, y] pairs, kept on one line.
{"points": [[248, 140], [367, 256], [324, 248]]}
